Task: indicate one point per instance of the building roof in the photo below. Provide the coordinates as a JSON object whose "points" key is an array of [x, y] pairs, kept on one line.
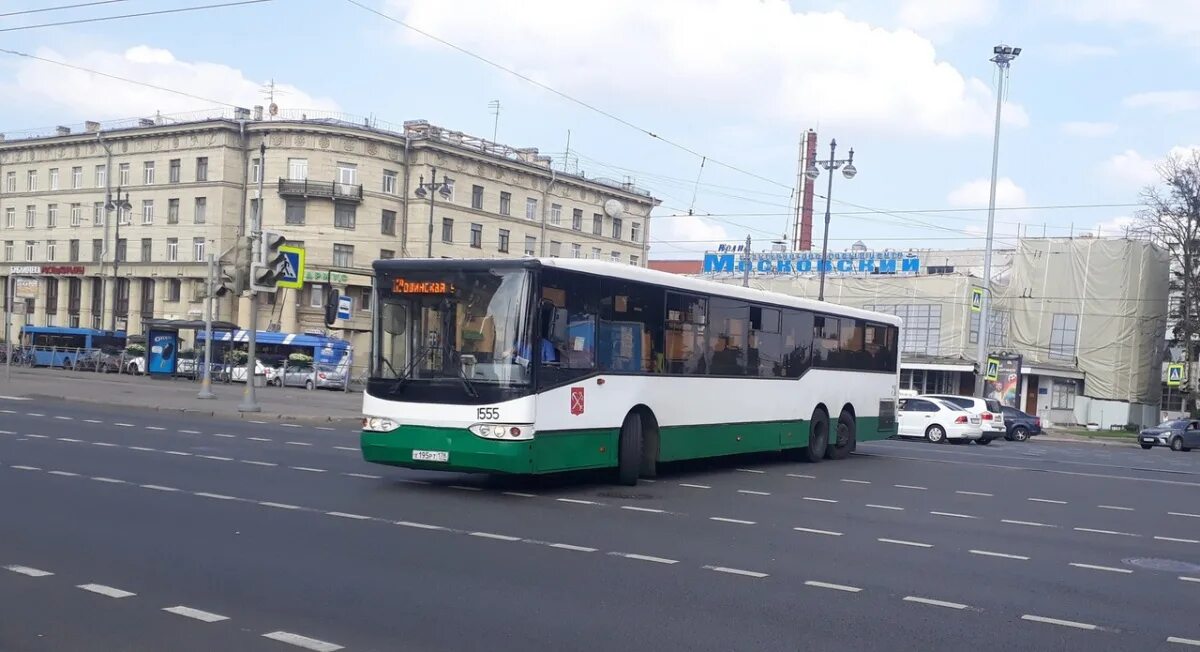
{"points": [[677, 266]]}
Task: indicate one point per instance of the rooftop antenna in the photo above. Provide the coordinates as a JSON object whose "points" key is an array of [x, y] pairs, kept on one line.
{"points": [[269, 91], [494, 105]]}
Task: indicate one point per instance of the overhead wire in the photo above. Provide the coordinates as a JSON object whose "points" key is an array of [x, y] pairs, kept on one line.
{"points": [[160, 12], [60, 7]]}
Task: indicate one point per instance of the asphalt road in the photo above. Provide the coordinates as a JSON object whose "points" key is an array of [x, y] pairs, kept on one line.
{"points": [[127, 530]]}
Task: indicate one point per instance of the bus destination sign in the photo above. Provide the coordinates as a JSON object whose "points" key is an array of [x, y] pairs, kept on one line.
{"points": [[402, 286]]}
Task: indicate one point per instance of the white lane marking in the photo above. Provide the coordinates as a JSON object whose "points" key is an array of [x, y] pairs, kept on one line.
{"points": [[257, 463], [909, 486], [26, 468], [73, 441], [196, 614], [935, 603], [288, 425], [818, 500], [298, 443], [205, 494], [419, 526], [65, 418], [25, 570], [1121, 509], [891, 507], [567, 546], [651, 510], [657, 560], [736, 571], [346, 448], [835, 587], [411, 481], [190, 432], [357, 517], [100, 478], [365, 476], [152, 427], [104, 443], [1185, 578], [216, 457], [498, 537], [105, 590], [182, 453], [1029, 523], [38, 436], [37, 414], [1047, 500], [1183, 514], [277, 505], [92, 421], [902, 542], [221, 434], [1176, 540], [856, 481], [66, 474], [730, 520], [750, 471], [324, 428], [754, 493], [1101, 568], [648, 480], [305, 642], [124, 425], [1005, 555], [157, 487], [974, 493], [1056, 621], [258, 439], [142, 448], [307, 468], [830, 533], [694, 486], [1114, 532], [258, 422], [518, 494], [953, 515], [1183, 641], [15, 398], [7, 432], [801, 475], [576, 501], [462, 487]]}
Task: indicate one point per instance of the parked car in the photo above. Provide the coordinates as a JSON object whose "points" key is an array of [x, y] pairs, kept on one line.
{"points": [[1019, 425], [108, 361], [136, 366], [238, 374], [1179, 434], [937, 421], [987, 409], [309, 376]]}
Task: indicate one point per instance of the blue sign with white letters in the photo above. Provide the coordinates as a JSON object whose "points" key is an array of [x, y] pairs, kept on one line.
{"points": [[345, 307], [731, 259]]}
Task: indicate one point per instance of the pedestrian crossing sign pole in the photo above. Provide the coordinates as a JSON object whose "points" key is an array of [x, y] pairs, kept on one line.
{"points": [[1174, 375]]}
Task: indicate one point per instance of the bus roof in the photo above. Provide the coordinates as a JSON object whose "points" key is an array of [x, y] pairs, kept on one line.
{"points": [[642, 275]]}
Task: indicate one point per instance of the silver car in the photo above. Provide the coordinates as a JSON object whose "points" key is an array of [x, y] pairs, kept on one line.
{"points": [[309, 376]]}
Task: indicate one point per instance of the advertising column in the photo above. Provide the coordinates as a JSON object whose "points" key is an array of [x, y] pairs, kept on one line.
{"points": [[1005, 386], [161, 349]]}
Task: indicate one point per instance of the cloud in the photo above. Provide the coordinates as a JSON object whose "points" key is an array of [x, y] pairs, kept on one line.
{"points": [[1088, 129], [1115, 227], [684, 236], [975, 193], [939, 18], [760, 59], [1071, 52], [1175, 18], [1130, 168], [1165, 101], [83, 95]]}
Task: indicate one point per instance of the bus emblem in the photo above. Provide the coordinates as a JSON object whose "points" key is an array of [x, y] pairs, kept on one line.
{"points": [[576, 400]]}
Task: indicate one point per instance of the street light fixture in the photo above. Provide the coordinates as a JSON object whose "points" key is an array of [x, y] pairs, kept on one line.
{"points": [[118, 205], [427, 190], [814, 170]]}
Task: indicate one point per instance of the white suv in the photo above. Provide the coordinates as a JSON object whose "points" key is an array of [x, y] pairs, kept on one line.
{"points": [[988, 410]]}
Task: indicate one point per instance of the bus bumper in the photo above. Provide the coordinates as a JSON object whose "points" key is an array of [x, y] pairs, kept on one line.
{"points": [[463, 450]]}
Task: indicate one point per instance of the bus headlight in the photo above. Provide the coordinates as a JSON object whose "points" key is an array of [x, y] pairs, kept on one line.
{"points": [[503, 431], [378, 424]]}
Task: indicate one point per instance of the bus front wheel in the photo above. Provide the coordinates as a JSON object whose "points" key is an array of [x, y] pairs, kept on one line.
{"points": [[818, 437], [629, 450]]}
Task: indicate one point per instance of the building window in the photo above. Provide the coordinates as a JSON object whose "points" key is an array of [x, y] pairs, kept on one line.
{"points": [[616, 228], [201, 213], [172, 250], [386, 254], [530, 208], [173, 171], [51, 216], [202, 168], [98, 214], [198, 247], [344, 215], [633, 260], [51, 296], [148, 173], [1062, 394], [364, 299], [997, 328], [172, 211], [199, 290], [597, 224], [30, 216], [506, 203], [476, 236], [447, 230], [555, 249], [635, 231], [343, 255], [54, 178], [51, 249], [97, 250], [255, 170], [387, 223], [122, 298], [74, 296], [10, 218], [76, 177], [477, 197], [615, 257], [101, 176], [1063, 329], [31, 180], [595, 253], [389, 182], [73, 251], [174, 290], [556, 214], [576, 250], [8, 250], [147, 211], [10, 182], [939, 269], [147, 244], [294, 211], [577, 219], [125, 216], [922, 326], [121, 250], [147, 303], [76, 214], [297, 169], [29, 249], [530, 245], [503, 248], [123, 177], [316, 296]]}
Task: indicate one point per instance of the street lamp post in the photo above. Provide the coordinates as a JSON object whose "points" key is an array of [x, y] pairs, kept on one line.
{"points": [[848, 170], [119, 205], [428, 190], [1003, 56]]}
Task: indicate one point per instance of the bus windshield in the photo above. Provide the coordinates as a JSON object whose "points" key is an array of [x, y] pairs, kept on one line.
{"points": [[462, 331]]}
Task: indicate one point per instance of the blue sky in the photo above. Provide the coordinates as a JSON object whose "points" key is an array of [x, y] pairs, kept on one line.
{"points": [[1102, 91]]}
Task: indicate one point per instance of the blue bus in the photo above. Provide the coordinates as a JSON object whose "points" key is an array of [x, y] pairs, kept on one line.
{"points": [[273, 348], [58, 346]]}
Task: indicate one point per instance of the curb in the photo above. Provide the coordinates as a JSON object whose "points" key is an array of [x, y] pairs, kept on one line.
{"points": [[1082, 440], [204, 413]]}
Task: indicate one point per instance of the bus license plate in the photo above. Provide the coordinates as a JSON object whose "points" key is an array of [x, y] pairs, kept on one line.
{"points": [[431, 456]]}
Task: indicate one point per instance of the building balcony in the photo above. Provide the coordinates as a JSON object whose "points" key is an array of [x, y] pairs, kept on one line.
{"points": [[320, 189]]}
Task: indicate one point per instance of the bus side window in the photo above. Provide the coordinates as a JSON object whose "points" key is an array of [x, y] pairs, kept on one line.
{"points": [[570, 304], [686, 320], [825, 341], [764, 353], [797, 332], [631, 328]]}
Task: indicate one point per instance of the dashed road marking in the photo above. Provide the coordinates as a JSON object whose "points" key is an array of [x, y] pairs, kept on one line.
{"points": [[142, 448], [22, 467], [750, 471], [1113, 532], [346, 448], [289, 425], [902, 542], [1056, 621], [634, 508], [104, 443], [38, 414], [357, 517], [463, 487], [323, 428], [1176, 539], [124, 425], [419, 526], [694, 486], [180, 453], [657, 560], [889, 507], [7, 432], [65, 418], [1185, 578], [736, 571], [92, 421], [576, 501], [73, 441], [307, 468], [297, 443], [1029, 523], [253, 421], [1047, 500], [953, 515], [1101, 568], [259, 439], [1116, 507], [909, 486], [491, 535], [157, 487], [221, 434], [835, 587], [935, 603], [1004, 555], [754, 493], [301, 641], [257, 463], [1183, 641], [195, 614], [736, 521], [100, 478], [829, 533], [974, 493], [518, 494], [1183, 514], [105, 590], [856, 481], [412, 481], [818, 500], [205, 494], [277, 505], [152, 427], [567, 546], [801, 475], [38, 436], [26, 570], [219, 458], [365, 476], [190, 432], [65, 474]]}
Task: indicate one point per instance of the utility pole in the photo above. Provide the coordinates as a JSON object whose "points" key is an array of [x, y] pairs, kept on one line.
{"points": [[746, 267], [1003, 57], [8, 303], [249, 400], [206, 384]]}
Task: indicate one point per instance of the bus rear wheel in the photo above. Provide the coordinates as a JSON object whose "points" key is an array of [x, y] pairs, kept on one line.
{"points": [[629, 450], [844, 442], [818, 437]]}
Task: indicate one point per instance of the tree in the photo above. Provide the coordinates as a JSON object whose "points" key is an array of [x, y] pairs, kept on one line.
{"points": [[1171, 218]]}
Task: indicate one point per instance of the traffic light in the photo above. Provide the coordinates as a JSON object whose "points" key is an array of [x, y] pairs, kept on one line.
{"points": [[225, 284], [331, 306], [275, 266]]}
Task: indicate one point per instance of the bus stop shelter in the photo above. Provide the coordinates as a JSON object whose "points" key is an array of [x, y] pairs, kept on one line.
{"points": [[162, 342]]}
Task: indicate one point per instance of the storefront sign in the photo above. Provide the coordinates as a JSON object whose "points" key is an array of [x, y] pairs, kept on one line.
{"points": [[734, 259], [25, 288], [47, 270], [321, 276]]}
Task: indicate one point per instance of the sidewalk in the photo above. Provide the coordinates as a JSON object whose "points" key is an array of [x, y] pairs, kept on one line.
{"points": [[1054, 434], [179, 395]]}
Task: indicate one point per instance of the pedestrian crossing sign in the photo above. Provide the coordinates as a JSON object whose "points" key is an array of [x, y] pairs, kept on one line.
{"points": [[993, 369], [1174, 375], [976, 299]]}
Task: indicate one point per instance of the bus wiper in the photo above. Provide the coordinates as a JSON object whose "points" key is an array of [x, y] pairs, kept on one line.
{"points": [[467, 384], [408, 369]]}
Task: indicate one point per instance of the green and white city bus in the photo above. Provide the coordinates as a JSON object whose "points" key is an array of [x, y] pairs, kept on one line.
{"points": [[545, 365]]}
